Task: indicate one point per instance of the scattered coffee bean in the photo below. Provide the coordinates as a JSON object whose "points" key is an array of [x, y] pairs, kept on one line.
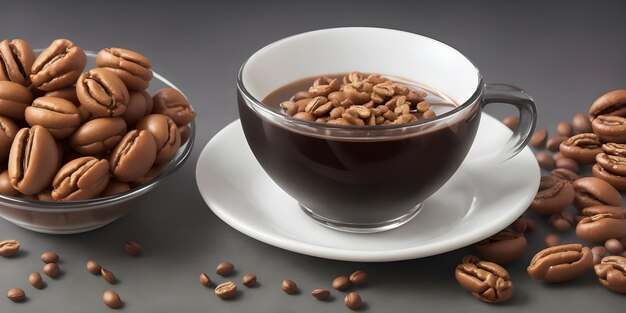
{"points": [[111, 299], [321, 294], [108, 276], [568, 164], [132, 247], [486, 281], [511, 121], [612, 273], [226, 290], [613, 246], [16, 295], [35, 280], [539, 138], [51, 269], [359, 277], [582, 148], [289, 286], [601, 227], [50, 257], [204, 280], [564, 174], [93, 267], [564, 129], [545, 160], [225, 269], [552, 240], [581, 123], [504, 247], [9, 248], [554, 143], [249, 280], [553, 195], [561, 221], [353, 301], [560, 263], [598, 253], [341, 283], [592, 191]]}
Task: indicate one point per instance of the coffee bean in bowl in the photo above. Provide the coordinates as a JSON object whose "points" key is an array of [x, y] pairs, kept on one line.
{"points": [[73, 132]]}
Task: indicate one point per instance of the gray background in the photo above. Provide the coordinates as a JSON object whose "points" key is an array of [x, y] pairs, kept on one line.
{"points": [[564, 53]]}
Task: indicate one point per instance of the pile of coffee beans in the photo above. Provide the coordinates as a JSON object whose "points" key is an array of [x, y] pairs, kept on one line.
{"points": [[73, 135]]}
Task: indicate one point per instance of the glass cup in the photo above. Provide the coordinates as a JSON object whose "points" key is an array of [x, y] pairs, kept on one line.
{"points": [[369, 178]]}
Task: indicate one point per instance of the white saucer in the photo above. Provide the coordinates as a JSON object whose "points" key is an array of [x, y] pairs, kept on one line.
{"points": [[478, 201]]}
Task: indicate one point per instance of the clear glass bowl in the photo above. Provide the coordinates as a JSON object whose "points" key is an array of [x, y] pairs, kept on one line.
{"points": [[85, 215]]}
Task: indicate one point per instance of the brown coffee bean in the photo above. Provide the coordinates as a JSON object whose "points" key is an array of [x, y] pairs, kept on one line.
{"points": [[16, 295], [305, 116], [582, 148], [133, 156], [35, 280], [486, 281], [555, 142], [610, 103], [598, 253], [581, 123], [617, 149], [139, 105], [173, 104], [102, 93], [165, 133], [341, 283], [610, 128], [358, 277], [204, 280], [111, 299], [98, 136], [511, 121], [553, 196], [185, 133], [51, 270], [226, 290], [567, 163], [612, 163], [108, 276], [539, 138], [617, 181], [601, 227], [561, 221], [560, 263], [249, 280], [33, 160], [592, 191], [132, 247], [613, 246], [14, 99], [93, 267], [321, 294], [225, 269], [289, 286], [564, 174], [504, 247], [301, 95], [132, 67], [545, 160], [429, 114], [551, 240], [8, 130], [353, 301], [59, 116], [58, 66], [612, 273], [564, 129], [49, 257], [16, 60], [9, 247], [81, 179]]}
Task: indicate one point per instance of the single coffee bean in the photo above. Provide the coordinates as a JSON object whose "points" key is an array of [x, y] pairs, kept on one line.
{"points": [[133, 156], [341, 283], [612, 163], [551, 240], [615, 180], [592, 191], [617, 149], [486, 281], [14, 99], [9, 248], [16, 60], [582, 148], [555, 142], [545, 160], [564, 174], [108, 276], [320, 294], [601, 227], [16, 295], [204, 280], [98, 136], [359, 277], [81, 179], [561, 221], [226, 290], [567, 163], [35, 280], [139, 105], [93, 267], [49, 257], [610, 103], [225, 269], [511, 121], [553, 196], [51, 270], [59, 116], [132, 247], [102, 93], [539, 138], [33, 160], [610, 128], [353, 301], [504, 247], [613, 246], [165, 133], [133, 68], [289, 286], [249, 280], [612, 273], [560, 263], [564, 129], [111, 299], [581, 123], [598, 253], [58, 66], [173, 104]]}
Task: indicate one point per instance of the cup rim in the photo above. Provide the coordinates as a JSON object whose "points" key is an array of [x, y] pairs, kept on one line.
{"points": [[259, 107]]}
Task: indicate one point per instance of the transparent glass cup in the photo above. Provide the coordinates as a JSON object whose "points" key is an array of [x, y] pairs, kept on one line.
{"points": [[369, 178]]}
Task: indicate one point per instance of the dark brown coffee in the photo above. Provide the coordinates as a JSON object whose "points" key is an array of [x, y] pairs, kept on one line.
{"points": [[358, 181]]}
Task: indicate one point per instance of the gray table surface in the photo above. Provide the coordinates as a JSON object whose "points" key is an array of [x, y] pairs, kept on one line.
{"points": [[564, 53]]}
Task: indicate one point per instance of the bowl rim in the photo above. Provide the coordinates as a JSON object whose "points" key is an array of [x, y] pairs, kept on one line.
{"points": [[84, 205]]}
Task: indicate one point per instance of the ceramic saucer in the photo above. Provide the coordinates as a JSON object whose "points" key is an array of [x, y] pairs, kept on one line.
{"points": [[479, 200]]}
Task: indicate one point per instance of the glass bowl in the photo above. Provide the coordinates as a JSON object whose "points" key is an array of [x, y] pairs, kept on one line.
{"points": [[85, 215]]}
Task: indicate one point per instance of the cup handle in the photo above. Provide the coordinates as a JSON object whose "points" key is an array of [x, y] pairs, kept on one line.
{"points": [[507, 94]]}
